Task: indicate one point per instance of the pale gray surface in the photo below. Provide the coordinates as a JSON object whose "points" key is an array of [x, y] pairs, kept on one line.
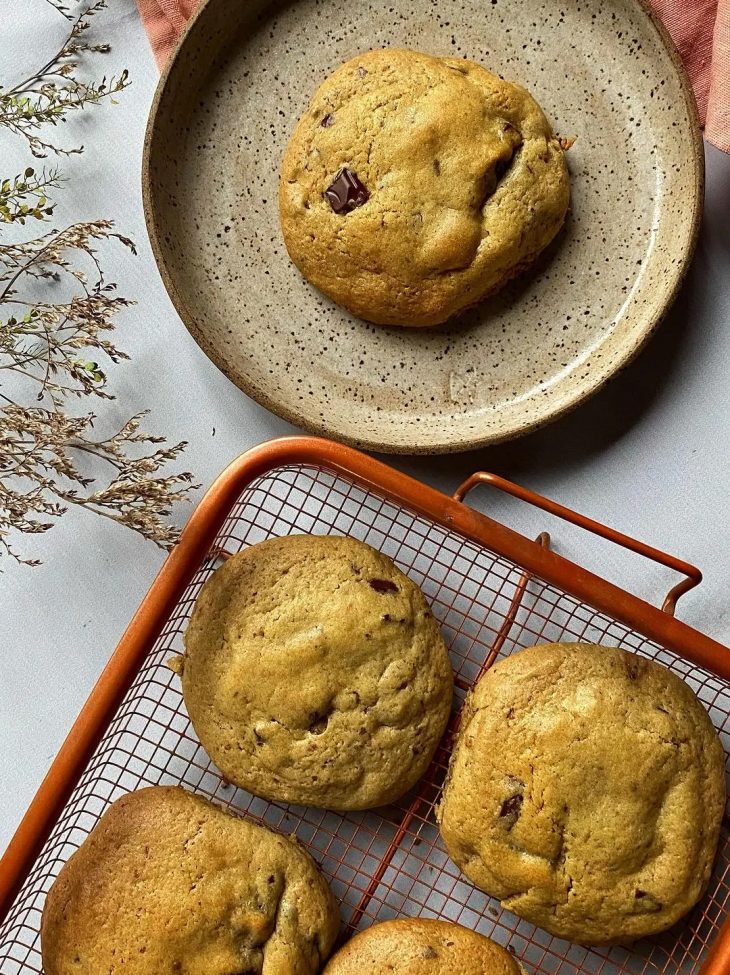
{"points": [[650, 455]]}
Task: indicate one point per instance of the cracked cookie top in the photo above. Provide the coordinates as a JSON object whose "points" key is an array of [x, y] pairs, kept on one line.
{"points": [[415, 185], [586, 792], [315, 673], [416, 946], [168, 882]]}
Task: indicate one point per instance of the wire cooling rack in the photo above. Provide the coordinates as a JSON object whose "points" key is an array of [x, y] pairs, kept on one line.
{"points": [[390, 862]]}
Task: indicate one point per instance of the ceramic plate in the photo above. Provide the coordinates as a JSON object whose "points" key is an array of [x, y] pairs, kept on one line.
{"points": [[603, 71]]}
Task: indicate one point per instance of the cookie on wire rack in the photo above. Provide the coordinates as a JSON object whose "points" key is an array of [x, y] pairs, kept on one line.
{"points": [[315, 673], [169, 882], [586, 791], [417, 946]]}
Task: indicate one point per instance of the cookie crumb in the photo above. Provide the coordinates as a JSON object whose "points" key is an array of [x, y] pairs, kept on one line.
{"points": [[177, 664]]}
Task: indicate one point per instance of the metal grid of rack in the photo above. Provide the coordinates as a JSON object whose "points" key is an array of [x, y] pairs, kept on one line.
{"points": [[389, 862]]}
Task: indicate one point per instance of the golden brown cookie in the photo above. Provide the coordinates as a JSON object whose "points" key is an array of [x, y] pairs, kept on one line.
{"points": [[416, 946], [169, 883], [315, 673], [413, 186], [586, 792]]}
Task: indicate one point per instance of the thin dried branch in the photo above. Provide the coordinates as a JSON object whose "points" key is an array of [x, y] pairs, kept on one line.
{"points": [[62, 8], [26, 195], [57, 316], [46, 345], [49, 343], [51, 93], [40, 476]]}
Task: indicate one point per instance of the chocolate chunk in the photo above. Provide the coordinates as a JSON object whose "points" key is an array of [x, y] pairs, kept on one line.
{"points": [[382, 585], [346, 192], [362, 71], [428, 952], [647, 903], [327, 120], [510, 809]]}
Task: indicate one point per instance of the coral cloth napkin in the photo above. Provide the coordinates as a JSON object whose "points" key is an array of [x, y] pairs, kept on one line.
{"points": [[700, 29]]}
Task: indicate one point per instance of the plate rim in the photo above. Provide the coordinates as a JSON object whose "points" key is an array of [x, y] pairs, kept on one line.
{"points": [[587, 390]]}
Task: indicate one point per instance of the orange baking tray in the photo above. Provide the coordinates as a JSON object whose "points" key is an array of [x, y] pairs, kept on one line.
{"points": [[493, 591]]}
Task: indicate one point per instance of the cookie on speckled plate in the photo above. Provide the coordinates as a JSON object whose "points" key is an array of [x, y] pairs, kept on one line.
{"points": [[167, 882], [417, 946], [586, 792], [315, 673], [414, 186]]}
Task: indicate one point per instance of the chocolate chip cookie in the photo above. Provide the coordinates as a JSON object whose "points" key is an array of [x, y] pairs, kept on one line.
{"points": [[415, 946], [413, 186], [586, 792], [315, 673], [167, 882]]}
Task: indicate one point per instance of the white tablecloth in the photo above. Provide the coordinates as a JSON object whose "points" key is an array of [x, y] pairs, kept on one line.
{"points": [[650, 455]]}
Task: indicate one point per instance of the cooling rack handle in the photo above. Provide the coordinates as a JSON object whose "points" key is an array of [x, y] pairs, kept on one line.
{"points": [[692, 574]]}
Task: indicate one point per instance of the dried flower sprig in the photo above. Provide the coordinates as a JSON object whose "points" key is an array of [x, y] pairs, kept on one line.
{"points": [[57, 313], [48, 95], [26, 195], [39, 477], [48, 343]]}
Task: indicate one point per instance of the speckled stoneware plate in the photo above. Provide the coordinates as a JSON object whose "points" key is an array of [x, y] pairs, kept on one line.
{"points": [[603, 70]]}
